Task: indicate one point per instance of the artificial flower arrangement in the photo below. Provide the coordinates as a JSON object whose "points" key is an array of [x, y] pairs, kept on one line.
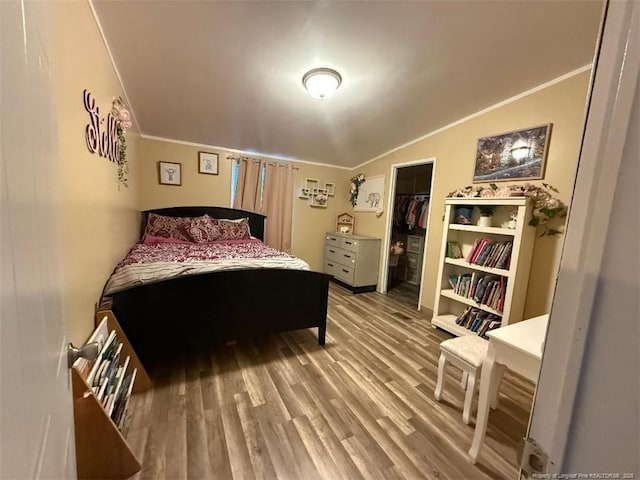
{"points": [[120, 111], [355, 187], [546, 207]]}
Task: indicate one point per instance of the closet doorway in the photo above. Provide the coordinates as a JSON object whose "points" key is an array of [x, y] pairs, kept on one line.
{"points": [[406, 234]]}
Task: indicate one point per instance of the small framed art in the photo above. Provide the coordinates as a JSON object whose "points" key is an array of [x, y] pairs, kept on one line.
{"points": [[208, 163], [170, 173]]}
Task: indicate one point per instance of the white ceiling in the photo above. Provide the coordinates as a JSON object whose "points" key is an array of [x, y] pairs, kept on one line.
{"points": [[229, 74]]}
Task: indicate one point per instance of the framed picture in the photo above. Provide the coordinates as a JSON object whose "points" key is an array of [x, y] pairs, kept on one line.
{"points": [[370, 194], [208, 163], [169, 173], [517, 155]]}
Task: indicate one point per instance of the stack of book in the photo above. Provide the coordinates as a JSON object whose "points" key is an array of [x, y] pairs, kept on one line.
{"points": [[108, 376], [482, 288], [489, 253], [478, 321]]}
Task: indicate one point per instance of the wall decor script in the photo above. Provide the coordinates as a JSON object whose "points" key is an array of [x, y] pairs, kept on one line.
{"points": [[101, 134]]}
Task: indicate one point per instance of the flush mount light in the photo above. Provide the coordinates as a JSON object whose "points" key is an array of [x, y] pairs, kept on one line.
{"points": [[321, 82]]}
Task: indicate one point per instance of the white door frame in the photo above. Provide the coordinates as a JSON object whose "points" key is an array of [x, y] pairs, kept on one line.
{"points": [[386, 244], [614, 82]]}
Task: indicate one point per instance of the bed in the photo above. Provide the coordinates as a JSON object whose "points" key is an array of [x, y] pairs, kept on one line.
{"points": [[164, 318]]}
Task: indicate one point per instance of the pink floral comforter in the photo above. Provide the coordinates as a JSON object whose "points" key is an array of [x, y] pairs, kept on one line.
{"points": [[152, 263]]}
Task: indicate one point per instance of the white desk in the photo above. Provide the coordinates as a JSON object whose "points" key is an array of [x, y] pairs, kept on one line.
{"points": [[517, 347]]}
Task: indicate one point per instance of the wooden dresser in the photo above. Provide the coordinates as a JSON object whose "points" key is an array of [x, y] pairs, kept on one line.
{"points": [[353, 260]]}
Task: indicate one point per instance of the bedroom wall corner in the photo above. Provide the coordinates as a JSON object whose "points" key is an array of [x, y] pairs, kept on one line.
{"points": [[100, 219], [310, 224], [563, 105]]}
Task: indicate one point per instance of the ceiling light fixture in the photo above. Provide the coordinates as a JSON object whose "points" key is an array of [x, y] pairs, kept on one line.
{"points": [[321, 82]]}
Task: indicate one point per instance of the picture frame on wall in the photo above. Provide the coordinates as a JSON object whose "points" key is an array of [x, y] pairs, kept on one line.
{"points": [[170, 173], [208, 163], [516, 155], [370, 194]]}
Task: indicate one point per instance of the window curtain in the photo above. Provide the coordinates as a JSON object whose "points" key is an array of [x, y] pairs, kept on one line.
{"points": [[248, 185], [277, 205]]}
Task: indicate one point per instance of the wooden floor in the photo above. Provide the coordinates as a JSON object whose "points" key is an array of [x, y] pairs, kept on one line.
{"points": [[404, 292], [361, 407]]}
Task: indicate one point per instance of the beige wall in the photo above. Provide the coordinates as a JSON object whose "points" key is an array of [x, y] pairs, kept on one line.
{"points": [[309, 224], [196, 189], [100, 221], [562, 105]]}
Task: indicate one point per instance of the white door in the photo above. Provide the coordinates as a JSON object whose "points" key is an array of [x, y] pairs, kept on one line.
{"points": [[36, 419], [585, 414]]}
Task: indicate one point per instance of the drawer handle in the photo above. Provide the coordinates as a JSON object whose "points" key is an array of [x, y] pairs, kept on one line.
{"points": [[330, 264], [348, 243], [332, 251], [348, 256], [345, 271]]}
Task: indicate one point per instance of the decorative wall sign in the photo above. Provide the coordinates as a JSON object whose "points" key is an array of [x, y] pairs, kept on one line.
{"points": [[106, 135], [170, 173], [101, 134], [517, 155]]}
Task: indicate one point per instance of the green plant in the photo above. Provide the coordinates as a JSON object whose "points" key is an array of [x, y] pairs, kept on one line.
{"points": [[355, 187], [548, 210], [120, 111], [487, 210]]}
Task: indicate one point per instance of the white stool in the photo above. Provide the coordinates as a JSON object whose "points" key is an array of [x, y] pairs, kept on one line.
{"points": [[467, 353]]}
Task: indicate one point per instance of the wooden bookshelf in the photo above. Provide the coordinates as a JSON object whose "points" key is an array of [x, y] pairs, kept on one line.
{"points": [[102, 450]]}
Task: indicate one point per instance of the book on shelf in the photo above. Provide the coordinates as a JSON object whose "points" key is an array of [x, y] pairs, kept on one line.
{"points": [[478, 321], [122, 402], [119, 380], [454, 250]]}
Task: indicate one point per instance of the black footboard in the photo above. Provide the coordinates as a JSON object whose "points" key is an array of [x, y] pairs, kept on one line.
{"points": [[196, 312]]}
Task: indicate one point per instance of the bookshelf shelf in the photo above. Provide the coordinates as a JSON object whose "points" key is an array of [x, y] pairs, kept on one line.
{"points": [[460, 262], [463, 276], [477, 229], [101, 448], [468, 301], [448, 322]]}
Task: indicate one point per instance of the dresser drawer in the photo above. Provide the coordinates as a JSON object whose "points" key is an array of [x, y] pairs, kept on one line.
{"points": [[333, 240], [341, 272], [413, 260], [414, 244], [413, 276], [350, 244], [340, 255]]}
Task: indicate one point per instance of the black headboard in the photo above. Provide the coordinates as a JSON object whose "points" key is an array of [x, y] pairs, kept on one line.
{"points": [[256, 221]]}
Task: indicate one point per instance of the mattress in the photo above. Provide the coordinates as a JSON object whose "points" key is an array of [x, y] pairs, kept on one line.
{"points": [[146, 263]]}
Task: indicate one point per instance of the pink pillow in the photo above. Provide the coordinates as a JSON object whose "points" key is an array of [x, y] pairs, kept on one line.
{"points": [[174, 227], [151, 240], [233, 229], [204, 229]]}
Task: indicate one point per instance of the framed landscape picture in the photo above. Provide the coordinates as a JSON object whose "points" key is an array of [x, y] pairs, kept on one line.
{"points": [[169, 173], [517, 155]]}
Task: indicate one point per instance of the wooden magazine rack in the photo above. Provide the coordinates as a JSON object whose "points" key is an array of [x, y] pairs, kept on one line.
{"points": [[101, 449]]}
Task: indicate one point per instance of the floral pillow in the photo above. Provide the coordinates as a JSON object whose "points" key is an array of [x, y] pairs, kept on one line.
{"points": [[168, 227], [204, 229], [233, 229], [151, 240]]}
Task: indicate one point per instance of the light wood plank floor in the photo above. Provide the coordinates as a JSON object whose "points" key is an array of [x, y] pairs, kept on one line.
{"points": [[361, 407]]}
